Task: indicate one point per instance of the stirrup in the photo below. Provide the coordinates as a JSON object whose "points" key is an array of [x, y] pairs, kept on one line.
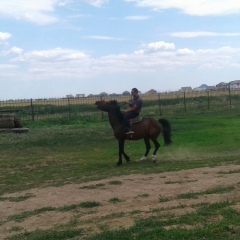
{"points": [[129, 131]]}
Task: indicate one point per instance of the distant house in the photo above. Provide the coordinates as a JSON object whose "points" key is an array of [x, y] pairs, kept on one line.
{"points": [[198, 89], [69, 96], [150, 92], [211, 88], [234, 85], [222, 86], [186, 89]]}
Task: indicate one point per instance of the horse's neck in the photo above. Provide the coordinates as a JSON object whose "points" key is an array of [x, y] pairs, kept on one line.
{"points": [[115, 120]]}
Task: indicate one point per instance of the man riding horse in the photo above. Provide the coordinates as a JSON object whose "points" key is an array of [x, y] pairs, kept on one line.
{"points": [[134, 110]]}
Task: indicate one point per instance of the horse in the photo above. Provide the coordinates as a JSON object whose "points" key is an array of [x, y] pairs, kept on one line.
{"points": [[147, 129]]}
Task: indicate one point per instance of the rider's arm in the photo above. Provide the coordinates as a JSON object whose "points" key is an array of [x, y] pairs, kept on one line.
{"points": [[133, 109]]}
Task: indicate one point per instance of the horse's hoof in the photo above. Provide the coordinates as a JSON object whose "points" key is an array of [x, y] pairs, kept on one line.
{"points": [[143, 159], [118, 164], [154, 158]]}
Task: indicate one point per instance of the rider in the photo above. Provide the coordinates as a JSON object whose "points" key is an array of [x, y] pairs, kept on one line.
{"points": [[133, 111]]}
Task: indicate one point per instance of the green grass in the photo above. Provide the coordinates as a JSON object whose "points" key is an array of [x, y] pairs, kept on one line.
{"points": [[22, 216], [195, 225], [60, 154], [218, 190], [55, 153]]}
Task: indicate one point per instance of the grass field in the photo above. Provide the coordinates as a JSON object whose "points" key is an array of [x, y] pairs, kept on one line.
{"points": [[62, 153]]}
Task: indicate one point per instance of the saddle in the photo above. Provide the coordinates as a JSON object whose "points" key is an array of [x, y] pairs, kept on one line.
{"points": [[135, 120]]}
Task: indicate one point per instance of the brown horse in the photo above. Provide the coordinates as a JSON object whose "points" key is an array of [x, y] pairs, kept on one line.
{"points": [[147, 129]]}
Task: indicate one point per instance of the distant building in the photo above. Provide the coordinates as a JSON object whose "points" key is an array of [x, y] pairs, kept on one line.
{"points": [[234, 85], [199, 89], [222, 86], [150, 92], [186, 89], [69, 96], [211, 88]]}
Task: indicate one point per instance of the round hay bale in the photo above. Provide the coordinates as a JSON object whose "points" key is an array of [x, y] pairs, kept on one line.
{"points": [[7, 122], [10, 121]]}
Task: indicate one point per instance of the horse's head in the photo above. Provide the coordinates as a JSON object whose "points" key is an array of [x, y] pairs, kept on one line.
{"points": [[107, 106]]}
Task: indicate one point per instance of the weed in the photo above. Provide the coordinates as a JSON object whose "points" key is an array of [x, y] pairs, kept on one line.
{"points": [[164, 199], [115, 182], [114, 200]]}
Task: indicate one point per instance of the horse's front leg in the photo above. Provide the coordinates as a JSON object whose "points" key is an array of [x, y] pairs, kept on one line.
{"points": [[121, 152]]}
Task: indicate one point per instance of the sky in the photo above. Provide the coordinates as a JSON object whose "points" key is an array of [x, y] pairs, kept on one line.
{"points": [[53, 48]]}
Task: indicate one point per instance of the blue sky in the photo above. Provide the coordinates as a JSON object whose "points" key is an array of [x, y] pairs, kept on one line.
{"points": [[51, 48]]}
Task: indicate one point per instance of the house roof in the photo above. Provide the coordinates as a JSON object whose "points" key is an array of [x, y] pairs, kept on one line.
{"points": [[235, 82]]}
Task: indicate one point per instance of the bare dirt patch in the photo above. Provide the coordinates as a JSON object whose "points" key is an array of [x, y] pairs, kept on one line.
{"points": [[122, 200]]}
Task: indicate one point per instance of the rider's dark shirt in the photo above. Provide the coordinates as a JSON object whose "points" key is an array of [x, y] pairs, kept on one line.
{"points": [[137, 101]]}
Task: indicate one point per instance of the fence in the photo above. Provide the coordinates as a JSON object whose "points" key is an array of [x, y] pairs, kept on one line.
{"points": [[154, 105]]}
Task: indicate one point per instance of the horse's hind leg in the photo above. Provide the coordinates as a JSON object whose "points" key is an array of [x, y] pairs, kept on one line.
{"points": [[148, 147], [157, 145], [127, 158]]}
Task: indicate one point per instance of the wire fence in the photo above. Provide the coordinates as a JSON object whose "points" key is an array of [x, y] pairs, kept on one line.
{"points": [[159, 104]]}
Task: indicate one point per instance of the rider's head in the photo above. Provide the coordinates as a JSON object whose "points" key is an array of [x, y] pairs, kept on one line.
{"points": [[134, 90]]}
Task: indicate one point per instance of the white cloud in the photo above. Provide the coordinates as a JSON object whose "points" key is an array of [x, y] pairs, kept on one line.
{"points": [[196, 7], [4, 36], [185, 51], [73, 64], [52, 55], [13, 50], [155, 47], [96, 3], [33, 11], [40, 12], [202, 34], [7, 67]]}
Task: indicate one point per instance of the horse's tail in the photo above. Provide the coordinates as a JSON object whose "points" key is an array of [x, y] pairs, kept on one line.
{"points": [[166, 131]]}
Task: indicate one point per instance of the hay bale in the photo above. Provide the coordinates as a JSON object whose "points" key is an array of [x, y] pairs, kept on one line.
{"points": [[7, 122], [10, 121]]}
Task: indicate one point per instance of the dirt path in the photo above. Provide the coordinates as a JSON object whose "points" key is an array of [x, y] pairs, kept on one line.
{"points": [[122, 199]]}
